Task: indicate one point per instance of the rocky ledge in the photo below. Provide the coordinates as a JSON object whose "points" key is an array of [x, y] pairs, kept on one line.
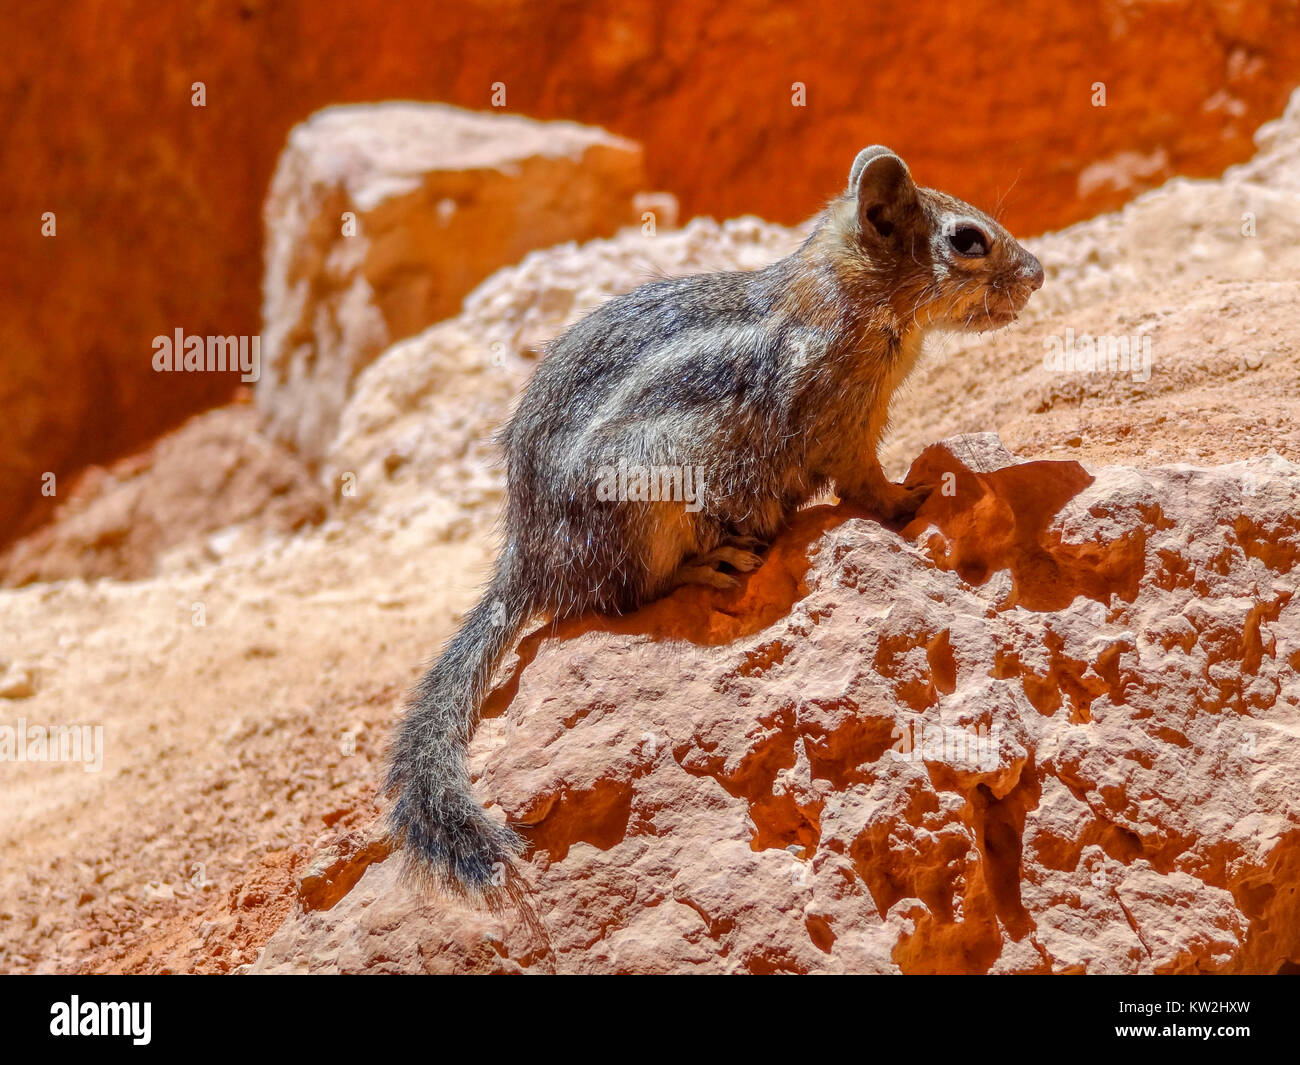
{"points": [[1048, 726]]}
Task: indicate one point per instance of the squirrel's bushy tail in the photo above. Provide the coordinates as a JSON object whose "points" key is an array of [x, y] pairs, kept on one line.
{"points": [[448, 836]]}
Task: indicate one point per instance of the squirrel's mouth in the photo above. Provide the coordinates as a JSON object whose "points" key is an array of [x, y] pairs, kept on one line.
{"points": [[991, 308], [1003, 306], [994, 314]]}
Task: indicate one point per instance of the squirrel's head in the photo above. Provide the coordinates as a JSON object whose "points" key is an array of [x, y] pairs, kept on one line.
{"points": [[940, 261]]}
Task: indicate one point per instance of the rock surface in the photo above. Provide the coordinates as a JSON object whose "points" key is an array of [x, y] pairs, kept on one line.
{"points": [[212, 487], [381, 219], [1174, 266], [1048, 727]]}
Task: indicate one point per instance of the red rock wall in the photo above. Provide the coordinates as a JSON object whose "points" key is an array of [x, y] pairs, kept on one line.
{"points": [[158, 202]]}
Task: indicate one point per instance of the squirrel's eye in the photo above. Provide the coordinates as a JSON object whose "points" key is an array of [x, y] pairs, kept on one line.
{"points": [[969, 241]]}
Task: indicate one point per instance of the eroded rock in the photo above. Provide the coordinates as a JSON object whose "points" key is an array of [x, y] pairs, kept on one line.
{"points": [[1045, 727]]}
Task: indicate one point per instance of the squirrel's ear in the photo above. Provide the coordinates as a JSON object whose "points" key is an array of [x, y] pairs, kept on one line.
{"points": [[884, 189]]}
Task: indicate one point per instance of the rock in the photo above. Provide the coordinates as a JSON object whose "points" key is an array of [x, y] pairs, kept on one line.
{"points": [[1196, 274], [196, 493], [16, 681], [349, 938], [1047, 727], [422, 417], [380, 220], [333, 872], [1130, 639]]}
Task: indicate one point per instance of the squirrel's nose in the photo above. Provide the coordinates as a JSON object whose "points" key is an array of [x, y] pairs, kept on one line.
{"points": [[1033, 271]]}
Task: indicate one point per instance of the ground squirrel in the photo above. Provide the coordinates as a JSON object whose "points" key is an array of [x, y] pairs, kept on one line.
{"points": [[766, 388]]}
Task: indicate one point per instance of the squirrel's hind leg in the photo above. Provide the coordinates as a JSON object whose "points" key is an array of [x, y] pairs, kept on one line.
{"points": [[706, 569]]}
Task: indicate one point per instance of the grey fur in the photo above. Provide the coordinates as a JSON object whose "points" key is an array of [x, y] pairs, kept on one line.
{"points": [[863, 158], [776, 383]]}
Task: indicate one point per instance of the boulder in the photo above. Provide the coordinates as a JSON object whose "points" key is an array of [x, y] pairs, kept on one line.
{"points": [[380, 219]]}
